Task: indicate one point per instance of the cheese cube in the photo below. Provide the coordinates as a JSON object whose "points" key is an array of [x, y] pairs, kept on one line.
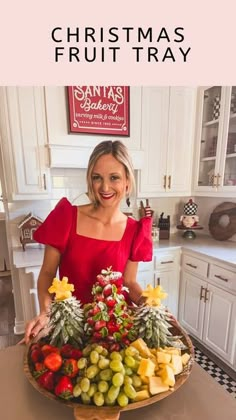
{"points": [[168, 376], [146, 367], [163, 357], [185, 358], [156, 385], [176, 363]]}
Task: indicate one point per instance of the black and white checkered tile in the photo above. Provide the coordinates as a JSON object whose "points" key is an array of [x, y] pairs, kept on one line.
{"points": [[216, 372]]}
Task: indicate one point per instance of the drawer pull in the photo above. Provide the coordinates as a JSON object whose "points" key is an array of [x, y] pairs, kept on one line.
{"points": [[221, 278], [167, 262], [191, 265], [202, 296]]}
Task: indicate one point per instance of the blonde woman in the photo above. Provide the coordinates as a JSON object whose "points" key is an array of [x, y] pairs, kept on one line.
{"points": [[83, 240]]}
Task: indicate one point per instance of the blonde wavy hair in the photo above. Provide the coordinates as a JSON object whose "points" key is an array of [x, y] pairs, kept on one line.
{"points": [[119, 151]]}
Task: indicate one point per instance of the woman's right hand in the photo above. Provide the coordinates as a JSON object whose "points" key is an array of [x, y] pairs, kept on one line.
{"points": [[34, 326]]}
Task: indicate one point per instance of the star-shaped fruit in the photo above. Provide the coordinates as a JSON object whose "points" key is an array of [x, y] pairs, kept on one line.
{"points": [[154, 295], [61, 288]]}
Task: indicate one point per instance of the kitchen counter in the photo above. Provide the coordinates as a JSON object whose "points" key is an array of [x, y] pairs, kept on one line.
{"points": [[200, 397], [224, 251]]}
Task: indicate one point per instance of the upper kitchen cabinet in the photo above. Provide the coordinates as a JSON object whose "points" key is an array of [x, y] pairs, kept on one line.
{"points": [[73, 150], [168, 116], [215, 169], [23, 140]]}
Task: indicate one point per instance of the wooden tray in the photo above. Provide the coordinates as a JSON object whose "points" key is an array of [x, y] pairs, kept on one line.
{"points": [[82, 411]]}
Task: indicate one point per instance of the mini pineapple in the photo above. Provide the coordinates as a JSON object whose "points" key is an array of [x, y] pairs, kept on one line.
{"points": [[151, 321], [66, 324]]}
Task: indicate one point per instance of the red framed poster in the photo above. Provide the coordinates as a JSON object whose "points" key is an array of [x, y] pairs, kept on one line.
{"points": [[99, 110]]}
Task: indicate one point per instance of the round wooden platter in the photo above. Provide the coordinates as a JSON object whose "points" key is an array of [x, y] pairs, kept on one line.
{"points": [[92, 412], [219, 232]]}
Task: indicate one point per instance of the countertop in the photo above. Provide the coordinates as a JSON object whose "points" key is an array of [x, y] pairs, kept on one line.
{"points": [[225, 251], [200, 397]]}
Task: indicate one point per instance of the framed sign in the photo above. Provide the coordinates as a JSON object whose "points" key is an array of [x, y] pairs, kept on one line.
{"points": [[99, 110]]}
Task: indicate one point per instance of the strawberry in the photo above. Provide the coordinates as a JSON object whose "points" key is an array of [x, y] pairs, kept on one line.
{"points": [[70, 368], [48, 348], [36, 355], [101, 280], [99, 325], [64, 388], [90, 321], [53, 361], [110, 302], [107, 291], [47, 380], [96, 310], [69, 351], [112, 327]]}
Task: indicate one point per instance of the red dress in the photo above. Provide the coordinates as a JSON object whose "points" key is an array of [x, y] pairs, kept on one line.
{"points": [[83, 258]]}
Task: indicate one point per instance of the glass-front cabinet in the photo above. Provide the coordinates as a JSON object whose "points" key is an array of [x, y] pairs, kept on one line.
{"points": [[215, 162]]}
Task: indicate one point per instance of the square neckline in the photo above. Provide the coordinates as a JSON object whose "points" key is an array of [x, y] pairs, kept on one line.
{"points": [[97, 239]]}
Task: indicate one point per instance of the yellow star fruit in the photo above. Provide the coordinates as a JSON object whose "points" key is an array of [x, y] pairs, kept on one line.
{"points": [[154, 295], [61, 288]]}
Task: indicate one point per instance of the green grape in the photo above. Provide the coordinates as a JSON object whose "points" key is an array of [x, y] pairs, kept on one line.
{"points": [[99, 349], [104, 352], [103, 386], [128, 371], [92, 389], [113, 393], [103, 363], [85, 384], [115, 355], [128, 380], [122, 399], [130, 391], [136, 381], [77, 390], [122, 353], [129, 361], [106, 374], [82, 363], [131, 351], [136, 366], [92, 371], [86, 350], [118, 379], [94, 357], [108, 401], [98, 399], [116, 365], [85, 398]]}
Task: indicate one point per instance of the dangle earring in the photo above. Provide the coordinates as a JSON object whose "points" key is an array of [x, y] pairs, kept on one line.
{"points": [[127, 197]]}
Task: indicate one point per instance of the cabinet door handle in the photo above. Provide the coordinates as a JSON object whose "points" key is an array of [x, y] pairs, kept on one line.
{"points": [[191, 265], [214, 184], [167, 262], [158, 281], [164, 184], [169, 182], [44, 182], [206, 296], [221, 278], [202, 296]]}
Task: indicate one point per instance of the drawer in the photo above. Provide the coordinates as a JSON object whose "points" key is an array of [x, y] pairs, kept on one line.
{"points": [[145, 266], [166, 261], [223, 277], [194, 265]]}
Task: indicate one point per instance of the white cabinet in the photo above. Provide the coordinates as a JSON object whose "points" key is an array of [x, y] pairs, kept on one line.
{"points": [[166, 274], [164, 271], [23, 140], [145, 274], [215, 166], [207, 307], [168, 115]]}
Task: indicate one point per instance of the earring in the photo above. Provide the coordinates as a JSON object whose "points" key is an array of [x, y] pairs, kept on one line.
{"points": [[127, 196]]}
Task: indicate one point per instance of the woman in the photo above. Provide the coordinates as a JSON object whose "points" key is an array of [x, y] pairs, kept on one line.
{"points": [[83, 240]]}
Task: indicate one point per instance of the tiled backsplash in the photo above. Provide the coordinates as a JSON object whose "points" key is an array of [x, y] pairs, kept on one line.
{"points": [[71, 183]]}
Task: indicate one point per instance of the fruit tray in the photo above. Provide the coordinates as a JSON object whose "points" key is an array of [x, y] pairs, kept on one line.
{"points": [[92, 412]]}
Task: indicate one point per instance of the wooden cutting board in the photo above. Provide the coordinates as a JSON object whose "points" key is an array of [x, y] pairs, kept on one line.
{"points": [[219, 232]]}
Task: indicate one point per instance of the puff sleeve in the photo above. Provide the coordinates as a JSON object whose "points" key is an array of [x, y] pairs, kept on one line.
{"points": [[55, 230], [142, 247]]}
